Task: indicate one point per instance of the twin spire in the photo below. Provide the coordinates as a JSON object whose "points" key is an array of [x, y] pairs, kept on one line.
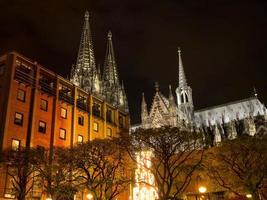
{"points": [[85, 74]]}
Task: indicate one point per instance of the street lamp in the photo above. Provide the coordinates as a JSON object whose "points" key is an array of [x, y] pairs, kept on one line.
{"points": [[249, 196], [89, 196], [48, 198], [202, 189]]}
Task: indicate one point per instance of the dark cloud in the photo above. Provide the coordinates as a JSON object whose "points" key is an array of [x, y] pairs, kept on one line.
{"points": [[223, 42]]}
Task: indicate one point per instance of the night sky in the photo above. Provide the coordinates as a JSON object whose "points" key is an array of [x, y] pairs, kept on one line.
{"points": [[223, 42]]}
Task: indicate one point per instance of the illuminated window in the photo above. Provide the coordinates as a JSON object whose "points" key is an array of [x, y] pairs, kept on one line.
{"points": [[80, 139], [109, 132], [18, 119], [95, 126], [21, 95], [62, 134], [63, 113], [43, 105], [80, 120], [15, 145], [42, 127]]}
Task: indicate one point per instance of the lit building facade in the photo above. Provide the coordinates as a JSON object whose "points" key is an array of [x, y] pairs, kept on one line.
{"points": [[220, 120], [39, 108]]}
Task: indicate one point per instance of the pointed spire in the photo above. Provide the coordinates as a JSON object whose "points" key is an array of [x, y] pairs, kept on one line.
{"points": [[157, 86], [255, 92], [85, 68], [144, 112], [110, 67], [171, 98], [182, 78]]}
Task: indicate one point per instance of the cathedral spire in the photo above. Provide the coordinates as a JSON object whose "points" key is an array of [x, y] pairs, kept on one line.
{"points": [[110, 68], [85, 69], [182, 78], [144, 113]]}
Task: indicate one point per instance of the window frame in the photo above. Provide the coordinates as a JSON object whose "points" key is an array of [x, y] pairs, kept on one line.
{"points": [[46, 107], [65, 133], [79, 136], [109, 132], [81, 122], [15, 118], [19, 144], [66, 114], [95, 128], [39, 130], [24, 95]]}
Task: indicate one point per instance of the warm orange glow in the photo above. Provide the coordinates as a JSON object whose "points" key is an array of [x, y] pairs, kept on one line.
{"points": [[202, 189]]}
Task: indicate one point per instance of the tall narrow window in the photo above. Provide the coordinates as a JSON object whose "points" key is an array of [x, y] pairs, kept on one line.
{"points": [[62, 134], [109, 115], [80, 120], [15, 145], [121, 121], [44, 105], [42, 127], [95, 126], [80, 139], [109, 132], [63, 113], [18, 119], [21, 95], [96, 109]]}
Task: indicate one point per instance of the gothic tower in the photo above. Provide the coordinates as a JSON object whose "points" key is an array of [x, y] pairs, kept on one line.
{"points": [[144, 113], [84, 73], [184, 95]]}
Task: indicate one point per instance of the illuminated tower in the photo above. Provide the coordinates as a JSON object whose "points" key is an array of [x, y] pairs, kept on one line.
{"points": [[184, 94], [84, 73]]}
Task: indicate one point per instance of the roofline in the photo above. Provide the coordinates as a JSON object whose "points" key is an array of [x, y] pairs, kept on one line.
{"points": [[226, 104]]}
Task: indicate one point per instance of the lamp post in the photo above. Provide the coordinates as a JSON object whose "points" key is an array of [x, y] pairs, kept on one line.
{"points": [[202, 189]]}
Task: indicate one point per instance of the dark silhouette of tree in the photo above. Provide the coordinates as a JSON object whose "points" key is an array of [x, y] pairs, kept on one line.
{"points": [[176, 155], [240, 165]]}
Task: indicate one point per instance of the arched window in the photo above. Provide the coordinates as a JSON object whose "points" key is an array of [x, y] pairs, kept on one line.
{"points": [[182, 98], [186, 98]]}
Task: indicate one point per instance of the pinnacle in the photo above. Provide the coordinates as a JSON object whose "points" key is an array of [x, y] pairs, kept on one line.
{"points": [[86, 15], [109, 34]]}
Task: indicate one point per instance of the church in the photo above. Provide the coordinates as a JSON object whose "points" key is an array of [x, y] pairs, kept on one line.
{"points": [[221, 119]]}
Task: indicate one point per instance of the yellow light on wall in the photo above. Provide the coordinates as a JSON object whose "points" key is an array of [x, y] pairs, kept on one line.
{"points": [[202, 189], [249, 196]]}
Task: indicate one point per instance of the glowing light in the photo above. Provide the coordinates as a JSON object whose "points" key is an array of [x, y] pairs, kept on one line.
{"points": [[142, 190], [202, 189], [89, 196], [249, 196], [48, 198]]}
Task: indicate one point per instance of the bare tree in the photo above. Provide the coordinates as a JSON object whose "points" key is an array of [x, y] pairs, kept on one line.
{"points": [[240, 165], [98, 166], [20, 165], [53, 176], [176, 155]]}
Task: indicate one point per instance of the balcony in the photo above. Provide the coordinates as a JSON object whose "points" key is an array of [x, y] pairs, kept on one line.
{"points": [[47, 87], [81, 104], [66, 97], [23, 77]]}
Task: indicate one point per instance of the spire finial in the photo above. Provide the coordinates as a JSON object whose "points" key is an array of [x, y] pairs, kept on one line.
{"points": [[86, 15], [157, 86], [255, 92], [109, 35]]}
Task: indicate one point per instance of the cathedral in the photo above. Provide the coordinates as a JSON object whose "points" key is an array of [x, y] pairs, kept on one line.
{"points": [[88, 76], [221, 119]]}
